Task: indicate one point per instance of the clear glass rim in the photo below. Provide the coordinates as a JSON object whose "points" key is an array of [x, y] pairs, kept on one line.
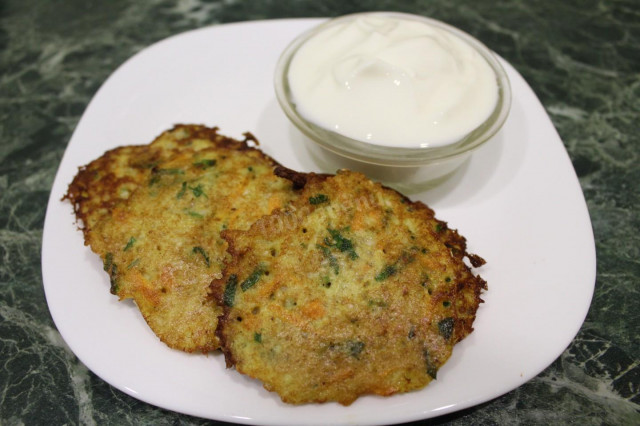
{"points": [[387, 155]]}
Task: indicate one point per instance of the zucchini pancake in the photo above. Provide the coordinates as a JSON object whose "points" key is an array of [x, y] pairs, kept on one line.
{"points": [[351, 290], [111, 179], [154, 213]]}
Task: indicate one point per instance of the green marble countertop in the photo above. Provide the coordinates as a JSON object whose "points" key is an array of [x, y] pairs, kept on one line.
{"points": [[580, 57]]}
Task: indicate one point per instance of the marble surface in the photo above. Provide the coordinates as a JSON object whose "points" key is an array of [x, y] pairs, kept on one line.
{"points": [[582, 58]]}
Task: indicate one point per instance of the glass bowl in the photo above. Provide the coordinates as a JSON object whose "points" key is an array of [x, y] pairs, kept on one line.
{"points": [[438, 160]]}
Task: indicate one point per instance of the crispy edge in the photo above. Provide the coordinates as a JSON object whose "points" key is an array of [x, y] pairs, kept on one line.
{"points": [[217, 289], [79, 190]]}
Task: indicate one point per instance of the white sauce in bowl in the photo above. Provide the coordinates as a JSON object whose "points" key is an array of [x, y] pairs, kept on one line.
{"points": [[392, 81]]}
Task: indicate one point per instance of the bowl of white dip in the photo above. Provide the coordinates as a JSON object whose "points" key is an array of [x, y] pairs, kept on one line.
{"points": [[393, 89]]}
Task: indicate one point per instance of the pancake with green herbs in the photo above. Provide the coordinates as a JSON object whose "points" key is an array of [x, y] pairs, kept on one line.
{"points": [[161, 243], [352, 290], [110, 179]]}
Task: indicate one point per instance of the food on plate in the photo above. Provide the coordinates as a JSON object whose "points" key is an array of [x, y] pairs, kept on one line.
{"points": [[154, 214], [352, 289], [324, 287], [110, 179]]}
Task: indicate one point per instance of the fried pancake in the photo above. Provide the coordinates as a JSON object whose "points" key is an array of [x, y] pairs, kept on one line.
{"points": [[352, 290], [161, 245], [99, 186]]}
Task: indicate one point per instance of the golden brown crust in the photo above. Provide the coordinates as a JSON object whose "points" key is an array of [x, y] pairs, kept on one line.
{"points": [[352, 290], [97, 188], [110, 179], [160, 243]]}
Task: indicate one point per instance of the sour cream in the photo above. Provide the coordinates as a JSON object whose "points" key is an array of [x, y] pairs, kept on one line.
{"points": [[392, 80]]}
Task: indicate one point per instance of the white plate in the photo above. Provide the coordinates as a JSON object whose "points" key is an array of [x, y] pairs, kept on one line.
{"points": [[517, 201]]}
